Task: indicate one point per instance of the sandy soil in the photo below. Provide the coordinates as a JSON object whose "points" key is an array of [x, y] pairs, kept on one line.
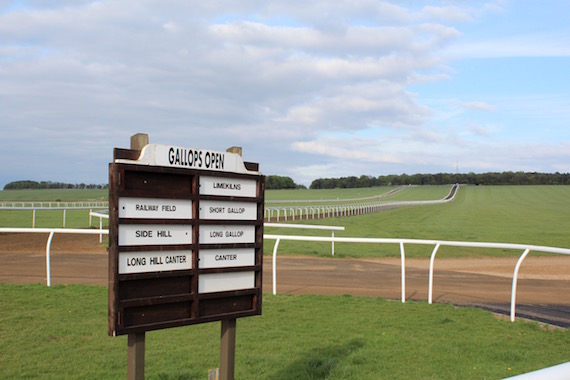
{"points": [[543, 291]]}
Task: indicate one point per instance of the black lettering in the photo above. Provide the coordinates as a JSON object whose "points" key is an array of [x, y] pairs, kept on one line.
{"points": [[140, 207], [198, 154], [208, 160], [221, 158], [143, 234], [175, 259], [227, 186], [225, 257], [134, 261]]}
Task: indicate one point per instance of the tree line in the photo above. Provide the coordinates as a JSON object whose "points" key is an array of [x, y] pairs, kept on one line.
{"points": [[275, 182], [503, 178], [34, 185]]}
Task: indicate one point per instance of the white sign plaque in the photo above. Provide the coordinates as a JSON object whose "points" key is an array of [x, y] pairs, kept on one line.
{"points": [[188, 158], [154, 234], [222, 282], [224, 258], [226, 210], [228, 186], [155, 208], [224, 234], [154, 261]]}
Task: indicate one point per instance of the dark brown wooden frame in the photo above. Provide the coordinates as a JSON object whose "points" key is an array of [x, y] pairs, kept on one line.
{"points": [[150, 301]]}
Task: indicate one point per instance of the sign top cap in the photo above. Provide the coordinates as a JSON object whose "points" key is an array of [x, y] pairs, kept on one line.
{"points": [[189, 158]]}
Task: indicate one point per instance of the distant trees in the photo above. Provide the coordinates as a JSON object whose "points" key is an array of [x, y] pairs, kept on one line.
{"points": [[34, 185], [503, 178], [274, 182]]}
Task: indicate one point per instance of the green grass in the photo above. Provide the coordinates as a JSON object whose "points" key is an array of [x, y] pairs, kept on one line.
{"points": [[61, 333], [420, 193], [78, 218], [45, 218], [305, 197], [325, 194], [537, 215], [53, 195]]}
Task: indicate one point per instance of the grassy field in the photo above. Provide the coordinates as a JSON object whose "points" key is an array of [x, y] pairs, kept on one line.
{"points": [[538, 215], [48, 219], [276, 198], [61, 333], [54, 195]]}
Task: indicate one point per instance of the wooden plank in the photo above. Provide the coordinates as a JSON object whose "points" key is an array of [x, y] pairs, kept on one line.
{"points": [[228, 349], [135, 356]]}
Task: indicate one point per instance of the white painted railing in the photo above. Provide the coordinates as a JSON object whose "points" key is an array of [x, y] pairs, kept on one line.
{"points": [[437, 243], [308, 227], [54, 205], [34, 207], [337, 210], [557, 372], [101, 217], [401, 242], [51, 232]]}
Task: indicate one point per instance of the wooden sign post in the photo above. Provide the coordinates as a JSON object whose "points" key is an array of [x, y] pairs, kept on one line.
{"points": [[185, 244]]}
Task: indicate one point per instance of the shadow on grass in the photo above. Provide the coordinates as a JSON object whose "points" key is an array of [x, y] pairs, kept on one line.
{"points": [[318, 363]]}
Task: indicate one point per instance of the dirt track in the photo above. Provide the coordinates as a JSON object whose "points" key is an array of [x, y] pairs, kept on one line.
{"points": [[543, 288]]}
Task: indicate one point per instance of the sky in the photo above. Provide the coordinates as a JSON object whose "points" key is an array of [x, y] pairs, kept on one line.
{"points": [[309, 90]]}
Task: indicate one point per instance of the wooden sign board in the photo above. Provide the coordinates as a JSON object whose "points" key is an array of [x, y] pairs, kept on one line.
{"points": [[185, 238]]}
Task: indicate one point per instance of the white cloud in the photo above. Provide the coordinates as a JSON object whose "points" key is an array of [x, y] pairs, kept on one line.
{"points": [[537, 44], [354, 150], [282, 79], [447, 13]]}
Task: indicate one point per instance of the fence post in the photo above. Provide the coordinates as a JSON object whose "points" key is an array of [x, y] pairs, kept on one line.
{"points": [[135, 356], [275, 266], [48, 248], [515, 279], [136, 341], [227, 349], [431, 264], [100, 228], [403, 258]]}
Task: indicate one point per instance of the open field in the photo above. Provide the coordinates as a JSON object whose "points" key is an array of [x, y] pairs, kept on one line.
{"points": [[45, 218], [61, 332], [54, 195], [538, 215], [54, 333], [303, 197]]}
